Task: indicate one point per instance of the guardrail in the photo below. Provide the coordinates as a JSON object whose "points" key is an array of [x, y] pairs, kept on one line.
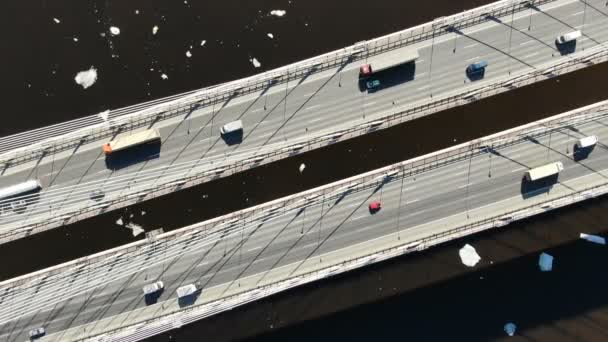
{"points": [[23, 149], [355, 183], [384, 120], [194, 313]]}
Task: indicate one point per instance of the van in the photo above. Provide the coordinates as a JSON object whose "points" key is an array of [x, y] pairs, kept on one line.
{"points": [[477, 68], [586, 141], [568, 37], [153, 288], [186, 290], [232, 127]]}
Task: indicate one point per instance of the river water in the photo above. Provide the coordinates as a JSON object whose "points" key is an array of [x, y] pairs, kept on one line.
{"points": [[427, 297]]}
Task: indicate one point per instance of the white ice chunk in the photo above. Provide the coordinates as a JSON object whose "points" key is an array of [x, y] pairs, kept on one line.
{"points": [[278, 13], [154, 29], [593, 238], [545, 262], [469, 256], [119, 221], [135, 228], [256, 63], [164, 76], [143, 212], [104, 115], [510, 328], [136, 11], [114, 30], [270, 35], [86, 78], [302, 167], [75, 39], [188, 54], [57, 21], [203, 42]]}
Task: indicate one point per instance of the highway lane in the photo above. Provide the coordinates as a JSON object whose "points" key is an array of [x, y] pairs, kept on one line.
{"points": [[324, 101], [327, 226]]}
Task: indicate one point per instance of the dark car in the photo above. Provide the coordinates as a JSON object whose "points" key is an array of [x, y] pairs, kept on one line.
{"points": [[37, 333], [477, 69]]}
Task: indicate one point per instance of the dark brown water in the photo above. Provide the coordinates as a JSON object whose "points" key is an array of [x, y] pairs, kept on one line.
{"points": [[428, 297]]}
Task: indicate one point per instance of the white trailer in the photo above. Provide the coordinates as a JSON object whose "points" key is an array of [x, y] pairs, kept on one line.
{"points": [[186, 290], [19, 189], [129, 140], [388, 60], [544, 171], [587, 141]]}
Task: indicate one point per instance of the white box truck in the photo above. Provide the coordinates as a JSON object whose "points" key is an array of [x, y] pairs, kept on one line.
{"points": [[586, 141], [186, 290], [544, 171]]}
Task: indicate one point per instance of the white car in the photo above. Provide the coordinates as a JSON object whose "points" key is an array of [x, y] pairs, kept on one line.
{"points": [[153, 288]]}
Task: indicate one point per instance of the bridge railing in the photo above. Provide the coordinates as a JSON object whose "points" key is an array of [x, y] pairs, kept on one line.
{"points": [[23, 149]]}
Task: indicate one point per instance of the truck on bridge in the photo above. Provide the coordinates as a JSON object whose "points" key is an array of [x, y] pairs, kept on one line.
{"points": [[544, 171], [126, 141], [388, 60]]}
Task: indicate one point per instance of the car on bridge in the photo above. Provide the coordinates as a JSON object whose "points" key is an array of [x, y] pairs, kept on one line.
{"points": [[37, 333], [476, 70], [375, 206]]}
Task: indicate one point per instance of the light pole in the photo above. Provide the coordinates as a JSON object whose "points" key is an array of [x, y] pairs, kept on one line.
{"points": [[510, 35], [584, 17], [399, 208]]}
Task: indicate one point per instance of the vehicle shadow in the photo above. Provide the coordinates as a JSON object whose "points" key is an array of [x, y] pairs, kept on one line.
{"points": [[152, 298], [233, 138], [390, 77], [566, 48], [476, 76], [581, 153], [188, 300], [19, 204], [134, 155], [538, 187]]}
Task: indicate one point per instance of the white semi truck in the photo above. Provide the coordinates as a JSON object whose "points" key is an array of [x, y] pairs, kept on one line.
{"points": [[544, 171]]}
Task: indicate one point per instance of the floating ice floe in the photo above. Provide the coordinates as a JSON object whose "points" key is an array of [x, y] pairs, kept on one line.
{"points": [[114, 30], [154, 29], [545, 262], [510, 328], [469, 256], [593, 238], [136, 11], [256, 63], [188, 54], [278, 13], [143, 212], [119, 221], [75, 39], [57, 21], [302, 167], [164, 76], [203, 42], [86, 78], [270, 35], [135, 228], [104, 115]]}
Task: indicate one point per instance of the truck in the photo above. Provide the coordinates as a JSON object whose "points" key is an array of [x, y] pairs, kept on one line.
{"points": [[388, 60], [153, 288], [19, 189], [186, 290], [544, 171], [126, 141]]}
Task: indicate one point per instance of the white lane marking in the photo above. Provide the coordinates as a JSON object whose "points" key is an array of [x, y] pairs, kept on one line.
{"points": [[472, 59], [307, 95], [465, 185], [412, 201], [410, 188], [577, 13], [353, 205], [257, 110], [313, 107], [532, 54], [420, 74], [520, 169], [424, 87], [420, 61], [527, 42], [359, 217], [370, 103], [470, 46], [255, 248], [202, 264], [315, 120], [266, 135]]}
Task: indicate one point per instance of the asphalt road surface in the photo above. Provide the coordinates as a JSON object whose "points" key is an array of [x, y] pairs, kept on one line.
{"points": [[328, 101], [108, 288]]}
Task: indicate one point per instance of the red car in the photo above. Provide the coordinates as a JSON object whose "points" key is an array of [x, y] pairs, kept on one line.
{"points": [[365, 70], [375, 206]]}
